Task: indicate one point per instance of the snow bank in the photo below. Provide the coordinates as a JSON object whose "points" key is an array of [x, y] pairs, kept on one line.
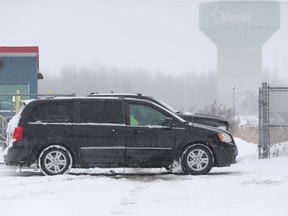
{"points": [[1, 155], [13, 123], [246, 149], [249, 121]]}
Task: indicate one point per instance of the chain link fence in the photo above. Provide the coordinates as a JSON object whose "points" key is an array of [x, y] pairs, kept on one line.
{"points": [[10, 104], [273, 121]]}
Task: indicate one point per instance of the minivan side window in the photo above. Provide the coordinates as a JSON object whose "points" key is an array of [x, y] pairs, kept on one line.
{"points": [[143, 115], [53, 112], [101, 111]]}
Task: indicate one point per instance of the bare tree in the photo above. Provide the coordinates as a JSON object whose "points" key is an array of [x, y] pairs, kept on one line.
{"points": [[223, 111]]}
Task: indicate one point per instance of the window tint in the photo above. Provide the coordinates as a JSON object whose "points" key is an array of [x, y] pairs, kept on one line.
{"points": [[53, 112], [101, 111], [145, 115]]}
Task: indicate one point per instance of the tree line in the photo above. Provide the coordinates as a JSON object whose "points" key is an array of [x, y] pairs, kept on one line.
{"points": [[188, 91], [185, 92]]}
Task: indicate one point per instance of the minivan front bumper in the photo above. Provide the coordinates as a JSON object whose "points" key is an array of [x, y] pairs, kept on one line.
{"points": [[225, 154]]}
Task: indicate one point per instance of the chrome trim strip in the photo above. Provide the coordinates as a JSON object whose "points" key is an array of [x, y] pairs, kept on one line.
{"points": [[49, 123], [153, 127], [123, 148], [104, 148], [148, 148], [74, 124], [101, 124]]}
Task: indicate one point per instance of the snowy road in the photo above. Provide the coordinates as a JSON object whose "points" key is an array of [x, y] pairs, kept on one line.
{"points": [[250, 187]]}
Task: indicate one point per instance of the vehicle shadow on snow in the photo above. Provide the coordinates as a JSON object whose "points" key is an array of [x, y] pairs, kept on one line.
{"points": [[111, 173], [224, 173], [120, 175], [20, 174], [148, 177]]}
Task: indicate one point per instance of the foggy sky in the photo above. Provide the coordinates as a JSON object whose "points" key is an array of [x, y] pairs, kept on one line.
{"points": [[158, 35]]}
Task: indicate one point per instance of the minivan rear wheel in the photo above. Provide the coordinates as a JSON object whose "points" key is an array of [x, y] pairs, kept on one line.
{"points": [[55, 160], [197, 160]]}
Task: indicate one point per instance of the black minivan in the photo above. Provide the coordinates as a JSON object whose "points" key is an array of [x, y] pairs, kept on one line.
{"points": [[57, 134]]}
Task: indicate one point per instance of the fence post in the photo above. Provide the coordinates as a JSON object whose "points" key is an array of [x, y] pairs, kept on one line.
{"points": [[265, 136], [17, 101], [260, 101]]}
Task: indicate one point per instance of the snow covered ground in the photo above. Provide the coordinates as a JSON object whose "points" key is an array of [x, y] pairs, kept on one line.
{"points": [[250, 187], [1, 155]]}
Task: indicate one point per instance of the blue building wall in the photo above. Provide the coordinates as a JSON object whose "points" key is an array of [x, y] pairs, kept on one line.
{"points": [[20, 70]]}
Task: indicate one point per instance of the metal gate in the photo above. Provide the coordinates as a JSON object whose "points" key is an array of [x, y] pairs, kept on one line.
{"points": [[273, 121]]}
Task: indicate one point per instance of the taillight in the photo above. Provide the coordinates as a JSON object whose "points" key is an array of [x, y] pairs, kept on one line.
{"points": [[18, 133]]}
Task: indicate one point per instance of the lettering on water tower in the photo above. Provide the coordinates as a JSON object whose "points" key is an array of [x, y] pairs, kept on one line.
{"points": [[221, 16]]}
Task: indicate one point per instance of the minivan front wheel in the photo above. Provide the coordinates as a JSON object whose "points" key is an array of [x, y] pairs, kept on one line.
{"points": [[55, 160], [197, 160]]}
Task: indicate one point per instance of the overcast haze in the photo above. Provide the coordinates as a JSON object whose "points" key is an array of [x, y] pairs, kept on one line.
{"points": [[158, 35]]}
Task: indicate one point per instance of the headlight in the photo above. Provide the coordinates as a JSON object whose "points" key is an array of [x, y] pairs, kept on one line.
{"points": [[225, 137]]}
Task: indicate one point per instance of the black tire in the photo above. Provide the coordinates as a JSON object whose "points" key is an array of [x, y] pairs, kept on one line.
{"points": [[55, 160], [197, 160]]}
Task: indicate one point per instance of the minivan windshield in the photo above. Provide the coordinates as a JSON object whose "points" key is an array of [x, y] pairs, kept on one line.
{"points": [[170, 108]]}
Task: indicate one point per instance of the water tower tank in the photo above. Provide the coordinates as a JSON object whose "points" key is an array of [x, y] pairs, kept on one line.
{"points": [[239, 29]]}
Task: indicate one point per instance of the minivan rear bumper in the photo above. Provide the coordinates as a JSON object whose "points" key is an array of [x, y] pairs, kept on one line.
{"points": [[18, 155]]}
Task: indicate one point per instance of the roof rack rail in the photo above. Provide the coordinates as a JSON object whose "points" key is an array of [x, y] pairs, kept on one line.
{"points": [[117, 94], [73, 94]]}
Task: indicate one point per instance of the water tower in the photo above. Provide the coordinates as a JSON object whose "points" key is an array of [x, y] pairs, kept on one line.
{"points": [[239, 29]]}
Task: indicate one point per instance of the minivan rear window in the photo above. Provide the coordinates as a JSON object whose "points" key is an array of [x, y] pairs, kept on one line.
{"points": [[100, 111], [53, 112]]}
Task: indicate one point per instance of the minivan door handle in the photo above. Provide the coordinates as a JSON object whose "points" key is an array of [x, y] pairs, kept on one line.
{"points": [[136, 131], [116, 131]]}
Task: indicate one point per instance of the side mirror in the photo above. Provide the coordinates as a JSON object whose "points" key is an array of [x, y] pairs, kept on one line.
{"points": [[168, 122]]}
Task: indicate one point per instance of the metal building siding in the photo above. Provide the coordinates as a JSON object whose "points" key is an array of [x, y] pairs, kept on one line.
{"points": [[19, 69]]}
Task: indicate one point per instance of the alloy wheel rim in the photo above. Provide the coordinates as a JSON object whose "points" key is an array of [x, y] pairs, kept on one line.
{"points": [[55, 162], [197, 160]]}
